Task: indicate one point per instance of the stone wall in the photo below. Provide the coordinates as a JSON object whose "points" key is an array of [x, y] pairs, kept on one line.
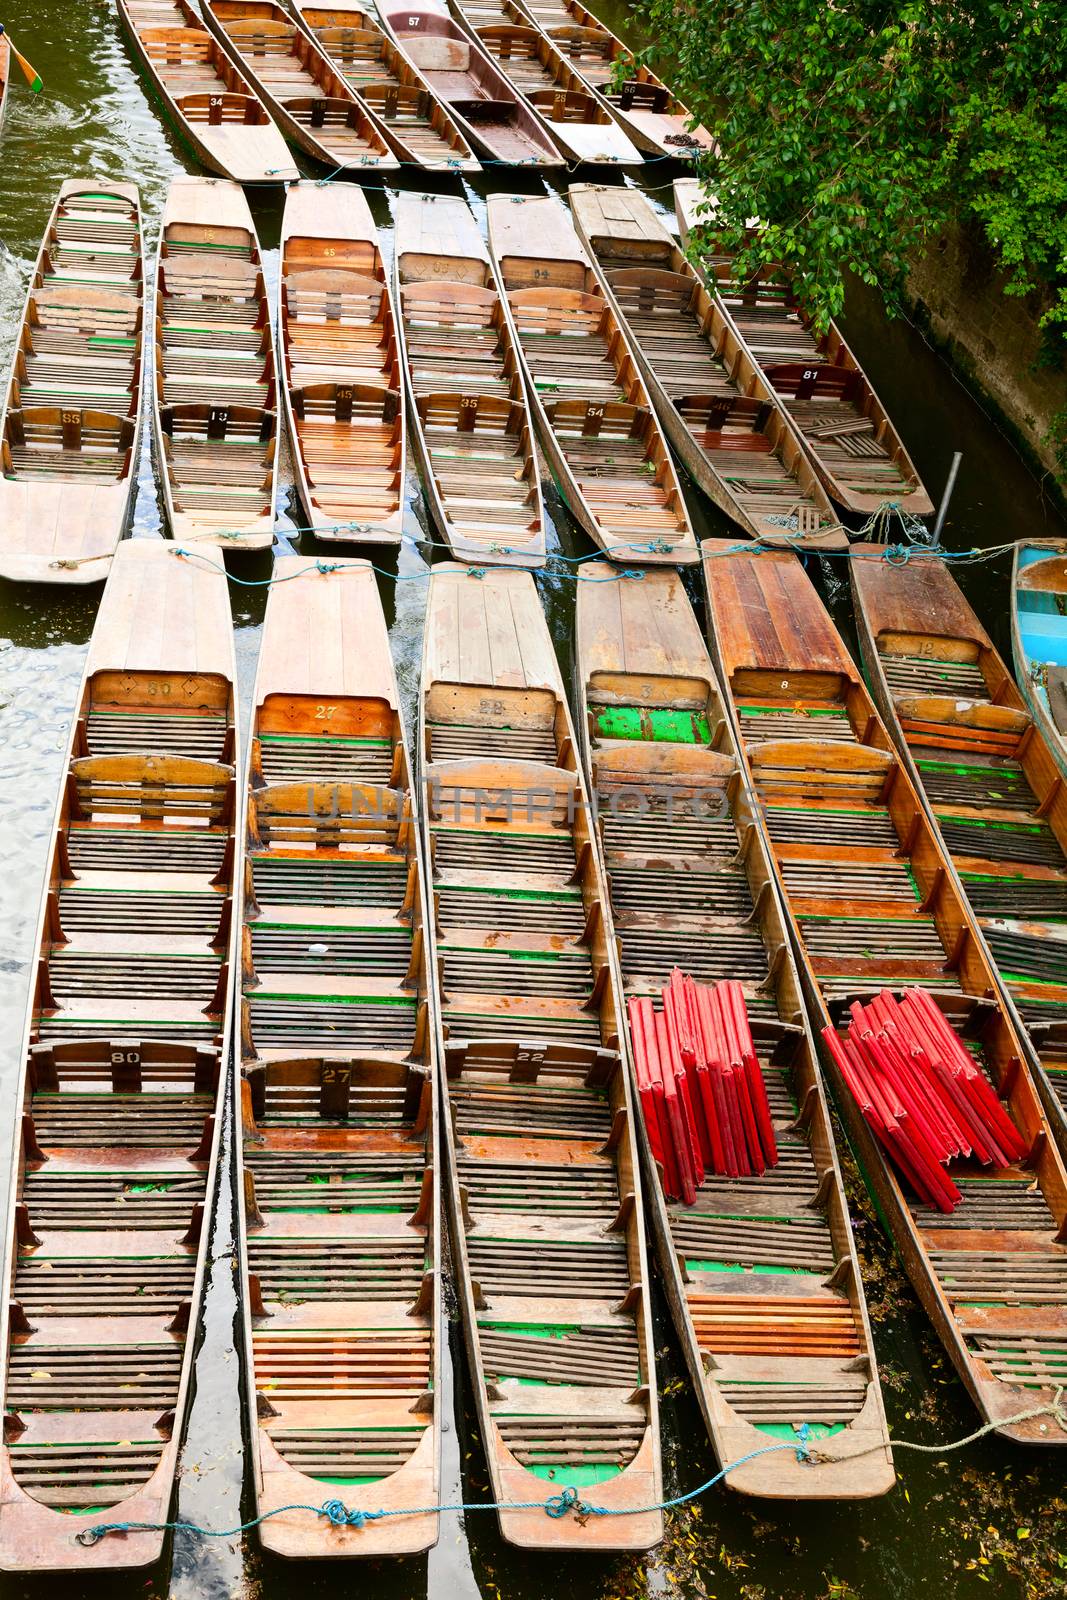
{"points": [[991, 337]]}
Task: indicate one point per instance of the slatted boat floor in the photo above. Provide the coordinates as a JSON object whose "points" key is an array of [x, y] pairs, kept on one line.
{"points": [[216, 382]]}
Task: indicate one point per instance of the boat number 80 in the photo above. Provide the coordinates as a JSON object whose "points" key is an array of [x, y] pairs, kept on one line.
{"points": [[125, 1058]]}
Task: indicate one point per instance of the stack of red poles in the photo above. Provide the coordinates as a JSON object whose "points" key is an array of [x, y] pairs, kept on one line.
{"points": [[921, 1093], [700, 1085]]}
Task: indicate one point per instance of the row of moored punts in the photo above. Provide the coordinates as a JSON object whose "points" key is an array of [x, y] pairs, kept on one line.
{"points": [[584, 330], [367, 88], [421, 961]]}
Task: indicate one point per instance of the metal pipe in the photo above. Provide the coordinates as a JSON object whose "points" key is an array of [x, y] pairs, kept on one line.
{"points": [[942, 510]]}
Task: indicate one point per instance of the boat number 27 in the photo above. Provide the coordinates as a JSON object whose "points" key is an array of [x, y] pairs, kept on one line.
{"points": [[324, 713]]}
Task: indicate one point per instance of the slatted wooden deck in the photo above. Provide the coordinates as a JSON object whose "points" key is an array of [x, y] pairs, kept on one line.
{"points": [[312, 103], [214, 106], [847, 432], [71, 421], [127, 1029], [874, 904], [417, 125], [469, 415], [547, 1221], [216, 398], [993, 785], [593, 413], [716, 407], [762, 1274], [342, 373], [339, 1191]]}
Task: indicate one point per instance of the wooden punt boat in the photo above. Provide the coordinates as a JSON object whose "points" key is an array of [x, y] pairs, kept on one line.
{"points": [[761, 1273], [990, 780], [469, 418], [1039, 636], [70, 432], [544, 1185], [342, 1295], [849, 435], [313, 104], [581, 121], [344, 397], [127, 1030], [213, 105], [497, 121], [593, 413], [716, 407], [416, 123], [215, 405], [655, 119], [873, 904]]}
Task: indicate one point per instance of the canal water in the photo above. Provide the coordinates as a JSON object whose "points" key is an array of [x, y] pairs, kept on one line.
{"points": [[987, 1520]]}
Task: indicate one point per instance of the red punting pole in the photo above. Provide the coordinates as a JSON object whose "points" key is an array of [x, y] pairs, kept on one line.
{"points": [[915, 1099], [749, 1131], [684, 1060], [649, 1108], [980, 1089], [672, 1181], [757, 1088], [700, 1081], [675, 1114], [954, 1074], [715, 1046], [710, 1087], [681, 1078], [897, 1034]]}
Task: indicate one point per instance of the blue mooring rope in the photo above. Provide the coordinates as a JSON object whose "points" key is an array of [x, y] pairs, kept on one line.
{"points": [[342, 1516]]}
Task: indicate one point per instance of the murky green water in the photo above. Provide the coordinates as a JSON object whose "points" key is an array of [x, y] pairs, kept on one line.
{"points": [[988, 1521]]}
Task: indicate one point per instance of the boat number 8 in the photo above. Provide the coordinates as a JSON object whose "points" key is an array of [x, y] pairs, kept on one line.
{"points": [[323, 713]]}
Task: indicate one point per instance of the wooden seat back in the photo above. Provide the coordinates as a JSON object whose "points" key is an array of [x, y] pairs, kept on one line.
{"points": [[823, 771], [567, 105], [355, 404], [449, 305], [596, 420], [326, 816], [819, 380], [713, 414], [127, 1066], [517, 793], [557, 311], [638, 95], [151, 788], [237, 424], [215, 109], [71, 428], [471, 413]]}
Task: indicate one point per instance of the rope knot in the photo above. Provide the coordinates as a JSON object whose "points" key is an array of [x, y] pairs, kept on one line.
{"points": [[557, 1505], [341, 1517], [804, 1442]]}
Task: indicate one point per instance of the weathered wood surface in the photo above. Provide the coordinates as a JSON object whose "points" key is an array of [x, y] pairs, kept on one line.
{"points": [[544, 1187], [339, 1190], [467, 402], [416, 123], [496, 121], [849, 436], [342, 380], [593, 413], [127, 1031], [70, 430], [216, 109], [991, 780], [719, 412], [874, 903], [312, 103], [761, 1274], [215, 402]]}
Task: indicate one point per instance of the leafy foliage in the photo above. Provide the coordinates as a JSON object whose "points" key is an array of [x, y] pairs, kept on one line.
{"points": [[856, 128]]}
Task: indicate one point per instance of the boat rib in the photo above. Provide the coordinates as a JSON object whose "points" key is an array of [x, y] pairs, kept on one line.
{"points": [[342, 373], [127, 1030], [339, 1190], [991, 782], [70, 432], [469, 415], [460, 72], [847, 431], [313, 104], [593, 414], [653, 117], [214, 106], [761, 1273], [581, 121], [717, 409], [216, 398], [873, 904], [416, 123], [545, 1191]]}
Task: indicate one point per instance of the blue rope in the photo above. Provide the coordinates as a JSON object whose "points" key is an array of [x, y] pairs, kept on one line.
{"points": [[342, 1516]]}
